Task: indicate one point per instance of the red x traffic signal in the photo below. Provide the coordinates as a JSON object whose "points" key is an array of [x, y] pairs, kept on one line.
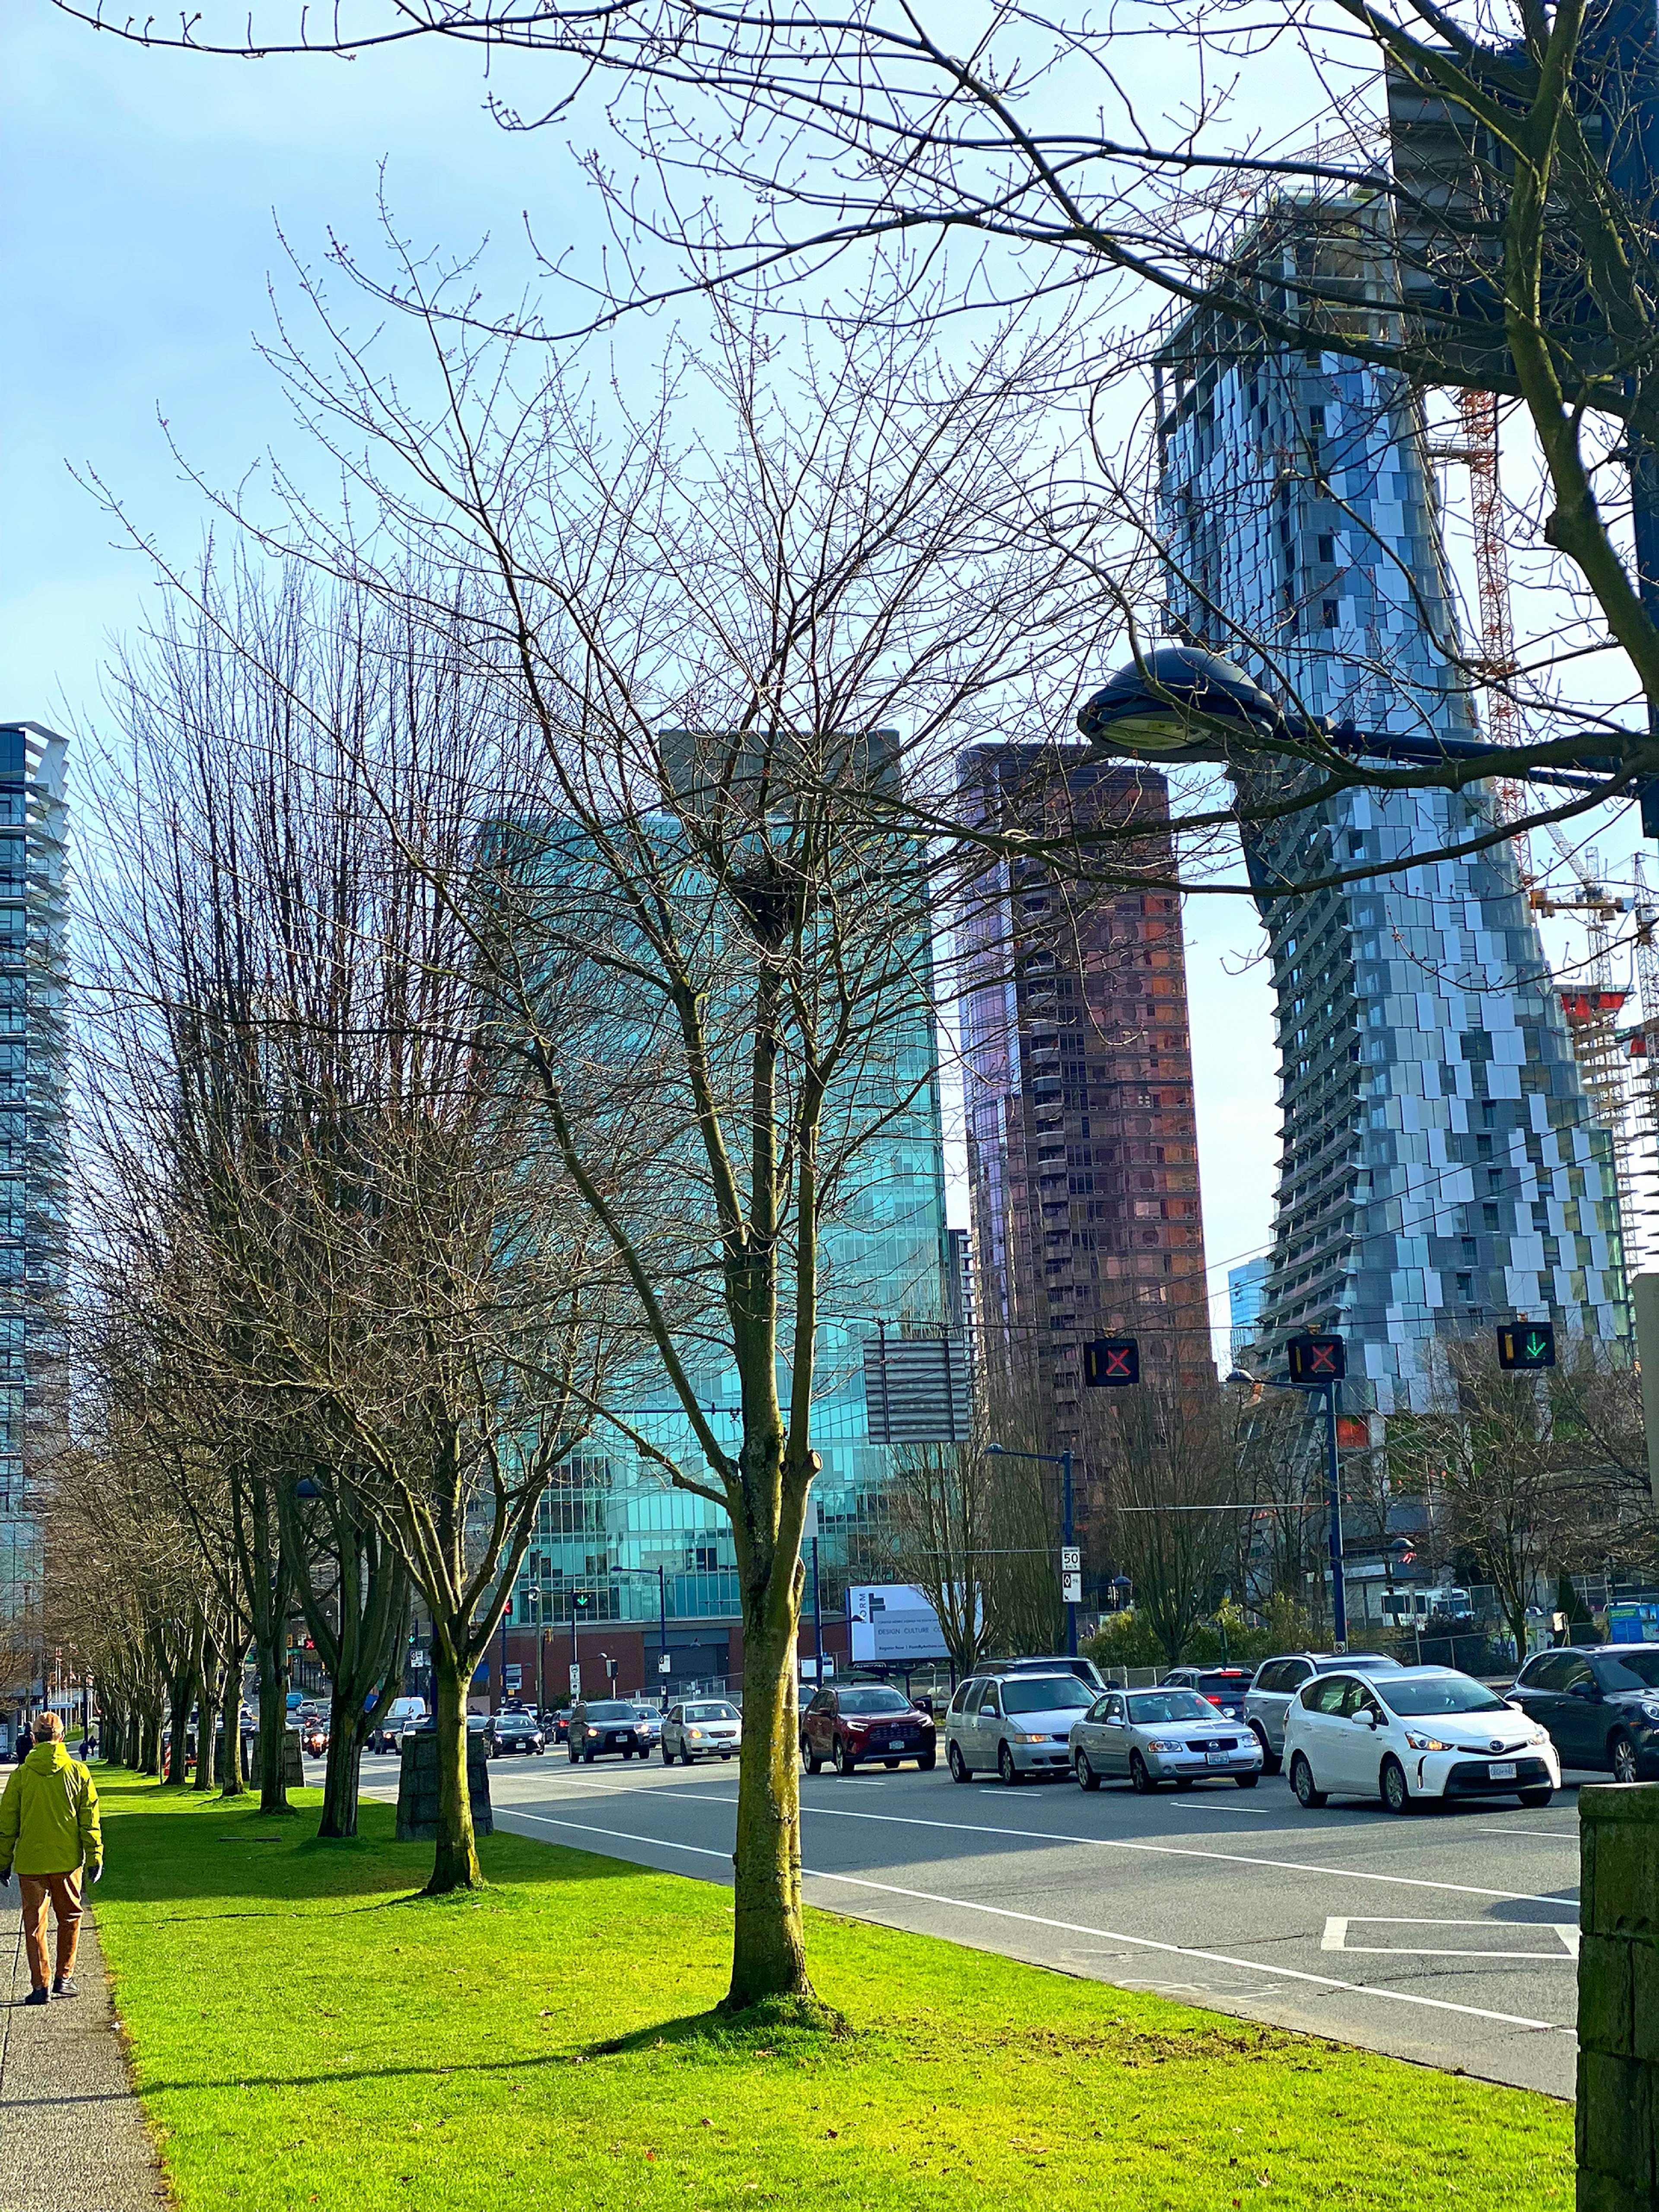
{"points": [[1315, 1358], [1111, 1363]]}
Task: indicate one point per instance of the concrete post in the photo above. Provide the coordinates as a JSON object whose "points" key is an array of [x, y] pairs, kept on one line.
{"points": [[1618, 2115], [1644, 1299]]}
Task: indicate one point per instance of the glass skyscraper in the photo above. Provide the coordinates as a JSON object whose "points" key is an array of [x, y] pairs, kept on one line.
{"points": [[33, 1181], [1440, 1169], [615, 1544]]}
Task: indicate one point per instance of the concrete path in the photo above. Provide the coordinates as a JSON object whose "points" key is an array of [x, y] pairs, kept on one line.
{"points": [[71, 2139]]}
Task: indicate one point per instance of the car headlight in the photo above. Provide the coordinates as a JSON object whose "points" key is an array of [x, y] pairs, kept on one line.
{"points": [[1029, 1738], [1542, 1736], [1160, 1743], [695, 1735], [1650, 1708], [1420, 1742]]}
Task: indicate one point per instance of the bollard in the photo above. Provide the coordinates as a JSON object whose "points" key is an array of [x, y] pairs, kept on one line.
{"points": [[1619, 1998]]}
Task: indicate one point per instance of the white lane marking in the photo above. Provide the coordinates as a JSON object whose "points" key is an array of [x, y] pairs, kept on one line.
{"points": [[1076, 1928], [1123, 1844], [1335, 1938]]}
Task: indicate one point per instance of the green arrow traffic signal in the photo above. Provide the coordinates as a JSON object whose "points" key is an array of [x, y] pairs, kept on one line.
{"points": [[1527, 1347]]}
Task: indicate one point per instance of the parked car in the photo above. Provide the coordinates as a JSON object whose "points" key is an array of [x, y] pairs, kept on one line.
{"points": [[389, 1726], [610, 1724], [1277, 1681], [1222, 1687], [1406, 1733], [1600, 1704], [701, 1728], [314, 1739], [1013, 1724], [1172, 1734], [852, 1722], [1084, 1669], [555, 1723], [509, 1732]]}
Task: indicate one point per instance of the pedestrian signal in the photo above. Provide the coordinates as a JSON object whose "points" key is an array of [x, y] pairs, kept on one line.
{"points": [[1315, 1358], [1111, 1363], [1526, 1345]]}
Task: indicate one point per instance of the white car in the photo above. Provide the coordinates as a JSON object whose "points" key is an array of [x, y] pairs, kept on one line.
{"points": [[1407, 1733], [701, 1728]]}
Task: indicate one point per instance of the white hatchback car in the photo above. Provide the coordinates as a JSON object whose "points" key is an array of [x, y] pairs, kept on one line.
{"points": [[1407, 1733]]}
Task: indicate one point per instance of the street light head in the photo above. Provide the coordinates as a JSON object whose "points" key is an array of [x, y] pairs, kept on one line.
{"points": [[1239, 1376], [1179, 703]]}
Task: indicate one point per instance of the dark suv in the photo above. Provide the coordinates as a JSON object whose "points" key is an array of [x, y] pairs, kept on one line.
{"points": [[1599, 1704], [610, 1724]]}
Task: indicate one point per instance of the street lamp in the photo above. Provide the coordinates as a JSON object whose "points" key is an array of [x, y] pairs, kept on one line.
{"points": [[1327, 1388], [1179, 702], [1063, 1461]]}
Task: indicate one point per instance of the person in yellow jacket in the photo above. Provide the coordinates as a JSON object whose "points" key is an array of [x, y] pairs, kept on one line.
{"points": [[49, 1831]]}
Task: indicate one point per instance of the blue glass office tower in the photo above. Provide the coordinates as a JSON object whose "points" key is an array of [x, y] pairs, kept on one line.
{"points": [[1440, 1169], [32, 1184], [614, 1544]]}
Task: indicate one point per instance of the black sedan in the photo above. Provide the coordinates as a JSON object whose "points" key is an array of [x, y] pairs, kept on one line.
{"points": [[610, 1724], [514, 1732], [1600, 1705]]}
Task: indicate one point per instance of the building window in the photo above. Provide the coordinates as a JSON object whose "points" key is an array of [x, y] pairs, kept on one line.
{"points": [[1328, 613], [1489, 1216], [1326, 548]]}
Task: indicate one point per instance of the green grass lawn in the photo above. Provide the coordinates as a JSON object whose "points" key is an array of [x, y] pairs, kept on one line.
{"points": [[304, 2034]]}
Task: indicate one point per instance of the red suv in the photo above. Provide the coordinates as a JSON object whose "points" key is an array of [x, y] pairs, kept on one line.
{"points": [[862, 1721]]}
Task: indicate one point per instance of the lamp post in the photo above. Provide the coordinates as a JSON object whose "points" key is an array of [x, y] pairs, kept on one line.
{"points": [[1063, 1461], [1326, 1389], [1179, 702]]}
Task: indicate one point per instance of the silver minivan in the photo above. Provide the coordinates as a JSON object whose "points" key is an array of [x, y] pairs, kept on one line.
{"points": [[1277, 1681], [1013, 1725]]}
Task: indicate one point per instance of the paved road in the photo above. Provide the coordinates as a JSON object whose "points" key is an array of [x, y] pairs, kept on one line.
{"points": [[1450, 1937]]}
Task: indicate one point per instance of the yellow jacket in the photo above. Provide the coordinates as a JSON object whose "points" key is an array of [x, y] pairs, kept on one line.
{"points": [[49, 1816]]}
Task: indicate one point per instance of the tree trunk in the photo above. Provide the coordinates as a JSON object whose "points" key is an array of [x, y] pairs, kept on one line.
{"points": [[768, 1953], [149, 1738], [455, 1862], [273, 1723], [183, 1688], [208, 1708], [231, 1784], [343, 1772]]}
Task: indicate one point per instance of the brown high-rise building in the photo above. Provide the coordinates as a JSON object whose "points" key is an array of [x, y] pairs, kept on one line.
{"points": [[1082, 1140]]}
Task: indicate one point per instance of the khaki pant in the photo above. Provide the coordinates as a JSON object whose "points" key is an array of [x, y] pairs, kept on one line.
{"points": [[64, 1891]]}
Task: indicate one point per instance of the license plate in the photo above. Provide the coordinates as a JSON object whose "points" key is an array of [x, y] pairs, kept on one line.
{"points": [[1216, 1758], [895, 1745], [1503, 1770]]}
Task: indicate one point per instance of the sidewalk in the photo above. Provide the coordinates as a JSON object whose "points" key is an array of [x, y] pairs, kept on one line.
{"points": [[71, 2139]]}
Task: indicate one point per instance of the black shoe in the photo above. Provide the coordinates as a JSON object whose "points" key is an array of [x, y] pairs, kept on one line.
{"points": [[39, 1997], [63, 1986]]}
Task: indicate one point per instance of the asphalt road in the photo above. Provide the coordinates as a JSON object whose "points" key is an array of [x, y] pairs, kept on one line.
{"points": [[1450, 1937]]}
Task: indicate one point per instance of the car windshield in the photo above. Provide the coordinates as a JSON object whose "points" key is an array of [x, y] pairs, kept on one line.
{"points": [[873, 1701], [611, 1712], [1438, 1693], [711, 1712], [1334, 1662], [1160, 1705], [1630, 1670], [1046, 1693]]}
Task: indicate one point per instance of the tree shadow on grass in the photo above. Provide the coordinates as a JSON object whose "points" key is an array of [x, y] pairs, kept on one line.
{"points": [[777, 2027]]}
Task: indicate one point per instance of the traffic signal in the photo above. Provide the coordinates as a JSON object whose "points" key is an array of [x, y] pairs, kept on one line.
{"points": [[1526, 1345], [1315, 1358], [1111, 1363]]}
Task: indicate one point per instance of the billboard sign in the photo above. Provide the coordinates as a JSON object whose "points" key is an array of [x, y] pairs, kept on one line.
{"points": [[890, 1624], [916, 1389]]}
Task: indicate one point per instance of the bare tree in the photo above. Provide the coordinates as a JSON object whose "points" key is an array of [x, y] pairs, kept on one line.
{"points": [[1166, 1459]]}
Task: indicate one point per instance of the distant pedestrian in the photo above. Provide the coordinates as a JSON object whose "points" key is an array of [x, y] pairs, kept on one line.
{"points": [[49, 1833]]}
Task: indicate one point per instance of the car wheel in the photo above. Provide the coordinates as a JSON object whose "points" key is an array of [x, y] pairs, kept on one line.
{"points": [[1247, 1781], [1301, 1781], [1086, 1776], [667, 1756], [927, 1761], [810, 1758], [573, 1755], [960, 1769], [587, 1757], [1140, 1778], [1621, 1756], [1393, 1787], [842, 1758], [1271, 1761], [1007, 1768]]}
